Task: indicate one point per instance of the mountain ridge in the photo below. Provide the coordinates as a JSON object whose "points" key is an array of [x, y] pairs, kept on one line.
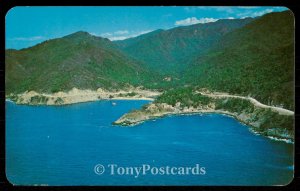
{"points": [[168, 49], [260, 55], [87, 61], [80, 60]]}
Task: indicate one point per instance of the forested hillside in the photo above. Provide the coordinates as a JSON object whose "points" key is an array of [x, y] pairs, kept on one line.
{"points": [[167, 51], [256, 60], [78, 60], [239, 56]]}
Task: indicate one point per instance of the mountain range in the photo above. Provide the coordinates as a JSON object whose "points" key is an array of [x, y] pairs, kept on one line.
{"points": [[251, 56], [77, 60], [255, 60], [166, 51]]}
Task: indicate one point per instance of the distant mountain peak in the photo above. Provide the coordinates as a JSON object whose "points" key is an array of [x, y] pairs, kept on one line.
{"points": [[79, 34], [82, 32], [85, 36], [168, 50]]}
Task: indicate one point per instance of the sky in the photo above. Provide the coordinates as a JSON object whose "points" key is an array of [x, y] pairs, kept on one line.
{"points": [[27, 26]]}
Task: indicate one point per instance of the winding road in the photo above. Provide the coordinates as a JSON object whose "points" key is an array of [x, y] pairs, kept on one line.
{"points": [[280, 110]]}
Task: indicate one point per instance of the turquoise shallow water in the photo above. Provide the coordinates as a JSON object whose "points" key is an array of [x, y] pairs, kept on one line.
{"points": [[60, 145]]}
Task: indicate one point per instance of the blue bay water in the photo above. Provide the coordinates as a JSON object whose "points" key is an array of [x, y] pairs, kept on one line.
{"points": [[60, 145]]}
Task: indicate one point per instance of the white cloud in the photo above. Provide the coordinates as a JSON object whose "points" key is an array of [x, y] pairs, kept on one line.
{"points": [[194, 20], [133, 34], [33, 38], [94, 34], [117, 38], [110, 34], [121, 32], [119, 35], [144, 32], [104, 34]]}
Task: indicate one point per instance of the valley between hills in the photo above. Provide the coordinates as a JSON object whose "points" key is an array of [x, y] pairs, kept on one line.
{"points": [[238, 67]]}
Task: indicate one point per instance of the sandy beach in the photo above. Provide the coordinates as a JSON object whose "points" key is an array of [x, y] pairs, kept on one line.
{"points": [[77, 96]]}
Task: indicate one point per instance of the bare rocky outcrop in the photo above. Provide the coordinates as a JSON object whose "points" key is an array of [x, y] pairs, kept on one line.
{"points": [[256, 119]]}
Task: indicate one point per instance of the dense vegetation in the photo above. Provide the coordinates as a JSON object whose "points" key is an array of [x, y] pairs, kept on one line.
{"points": [[270, 123], [240, 56], [78, 60], [255, 60], [267, 122], [186, 96], [167, 51]]}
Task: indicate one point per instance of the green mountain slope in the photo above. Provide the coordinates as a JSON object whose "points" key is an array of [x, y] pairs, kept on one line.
{"points": [[167, 51], [241, 56], [77, 60], [256, 60]]}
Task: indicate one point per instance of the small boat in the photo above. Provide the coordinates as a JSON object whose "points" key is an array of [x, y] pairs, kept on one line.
{"points": [[114, 103]]}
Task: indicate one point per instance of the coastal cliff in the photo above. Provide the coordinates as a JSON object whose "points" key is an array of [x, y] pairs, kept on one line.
{"points": [[249, 59], [268, 121]]}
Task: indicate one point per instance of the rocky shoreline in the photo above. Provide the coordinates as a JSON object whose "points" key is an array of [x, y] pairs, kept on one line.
{"points": [[255, 119], [158, 110]]}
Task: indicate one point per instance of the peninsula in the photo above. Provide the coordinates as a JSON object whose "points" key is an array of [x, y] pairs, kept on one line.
{"points": [[239, 67], [270, 121]]}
